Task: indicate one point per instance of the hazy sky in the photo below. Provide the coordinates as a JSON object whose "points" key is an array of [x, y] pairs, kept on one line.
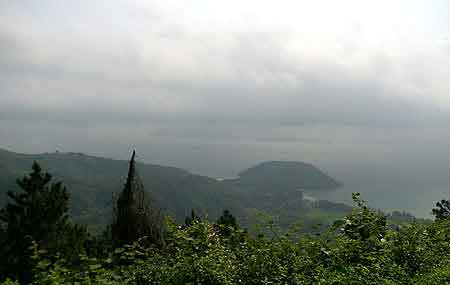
{"points": [[215, 86]]}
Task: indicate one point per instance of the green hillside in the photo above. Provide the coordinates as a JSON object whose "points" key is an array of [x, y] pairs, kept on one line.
{"points": [[271, 187]]}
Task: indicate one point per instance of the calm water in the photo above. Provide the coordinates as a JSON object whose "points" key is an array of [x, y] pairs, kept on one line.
{"points": [[414, 199]]}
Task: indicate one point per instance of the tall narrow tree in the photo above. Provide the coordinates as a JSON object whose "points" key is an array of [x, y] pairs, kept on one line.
{"points": [[134, 216]]}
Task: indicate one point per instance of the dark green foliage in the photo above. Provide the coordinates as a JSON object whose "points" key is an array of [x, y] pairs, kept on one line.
{"points": [[226, 223], [227, 219], [406, 247], [191, 219], [361, 250], [364, 223], [37, 213], [134, 216], [442, 210]]}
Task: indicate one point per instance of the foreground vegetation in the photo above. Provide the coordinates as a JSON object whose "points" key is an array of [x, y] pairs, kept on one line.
{"points": [[41, 246]]}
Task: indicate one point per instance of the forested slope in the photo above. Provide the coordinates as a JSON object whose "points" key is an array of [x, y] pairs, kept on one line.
{"points": [[271, 187]]}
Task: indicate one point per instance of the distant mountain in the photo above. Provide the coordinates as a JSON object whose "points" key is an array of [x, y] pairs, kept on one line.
{"points": [[287, 175], [92, 182]]}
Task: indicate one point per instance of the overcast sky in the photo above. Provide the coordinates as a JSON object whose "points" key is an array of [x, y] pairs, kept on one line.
{"points": [[215, 86]]}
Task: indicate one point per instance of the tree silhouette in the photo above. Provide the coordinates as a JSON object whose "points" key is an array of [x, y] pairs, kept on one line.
{"points": [[134, 217], [226, 223], [37, 213]]}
